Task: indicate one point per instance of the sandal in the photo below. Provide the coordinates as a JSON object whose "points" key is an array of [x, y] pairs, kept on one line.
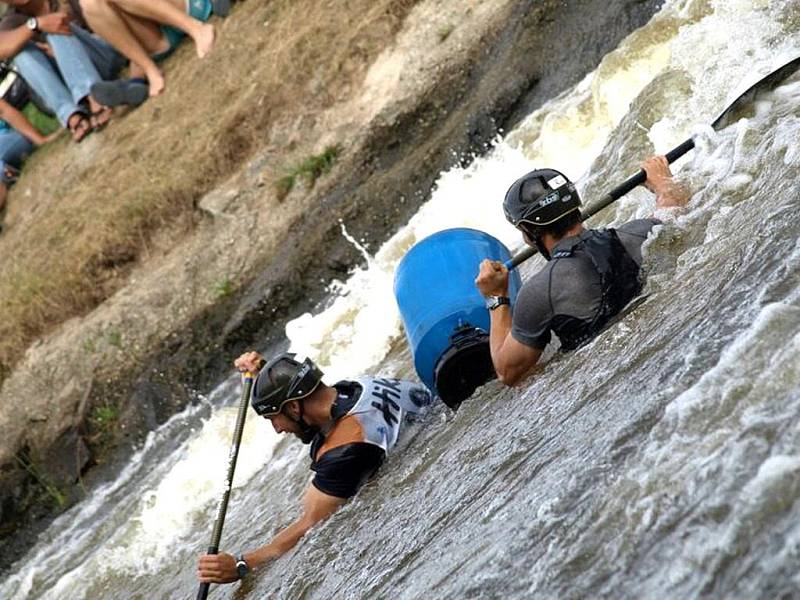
{"points": [[80, 127], [100, 118], [120, 91], [10, 175]]}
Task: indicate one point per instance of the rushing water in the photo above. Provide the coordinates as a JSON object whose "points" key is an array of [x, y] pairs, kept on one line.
{"points": [[660, 461]]}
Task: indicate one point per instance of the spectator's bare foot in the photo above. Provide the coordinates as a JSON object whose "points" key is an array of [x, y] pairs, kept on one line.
{"points": [[204, 40], [156, 83]]}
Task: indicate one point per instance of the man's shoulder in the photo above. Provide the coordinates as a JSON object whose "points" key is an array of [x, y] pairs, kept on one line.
{"points": [[633, 234], [637, 227], [538, 285]]}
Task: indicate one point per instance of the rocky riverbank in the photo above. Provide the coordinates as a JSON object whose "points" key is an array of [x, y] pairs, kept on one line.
{"points": [[436, 88]]}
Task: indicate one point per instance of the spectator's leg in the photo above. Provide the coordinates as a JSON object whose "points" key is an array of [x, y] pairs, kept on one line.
{"points": [[14, 148], [173, 13], [103, 55], [40, 74], [76, 67], [79, 73], [134, 37]]}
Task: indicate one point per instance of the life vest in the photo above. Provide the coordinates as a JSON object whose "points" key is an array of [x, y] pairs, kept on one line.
{"points": [[377, 416], [619, 281]]}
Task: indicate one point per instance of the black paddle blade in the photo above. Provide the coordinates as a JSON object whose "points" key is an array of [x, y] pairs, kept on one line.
{"points": [[767, 82], [724, 119]]}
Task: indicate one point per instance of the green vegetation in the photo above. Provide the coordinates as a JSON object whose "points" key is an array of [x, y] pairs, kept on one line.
{"points": [[444, 31], [104, 417], [44, 123], [89, 346], [115, 338], [103, 420], [53, 492], [310, 169], [223, 287]]}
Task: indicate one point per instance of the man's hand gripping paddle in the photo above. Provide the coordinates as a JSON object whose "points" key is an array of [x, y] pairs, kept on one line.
{"points": [[222, 507], [723, 120]]}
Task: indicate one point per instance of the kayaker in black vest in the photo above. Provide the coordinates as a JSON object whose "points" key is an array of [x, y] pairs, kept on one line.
{"points": [[590, 276], [350, 426]]}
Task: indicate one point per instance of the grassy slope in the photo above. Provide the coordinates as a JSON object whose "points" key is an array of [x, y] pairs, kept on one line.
{"points": [[82, 216]]}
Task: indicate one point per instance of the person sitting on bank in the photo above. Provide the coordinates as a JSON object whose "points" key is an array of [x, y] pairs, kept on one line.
{"points": [[60, 60], [590, 276], [147, 31], [18, 138], [350, 427]]}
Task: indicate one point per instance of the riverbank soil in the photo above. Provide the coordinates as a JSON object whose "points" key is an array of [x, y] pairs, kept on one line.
{"points": [[136, 265]]}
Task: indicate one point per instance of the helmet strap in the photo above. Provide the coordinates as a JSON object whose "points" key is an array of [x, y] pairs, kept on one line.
{"points": [[537, 239], [307, 432], [534, 234]]}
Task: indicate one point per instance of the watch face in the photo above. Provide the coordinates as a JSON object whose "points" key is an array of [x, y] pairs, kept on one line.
{"points": [[493, 302], [242, 568]]}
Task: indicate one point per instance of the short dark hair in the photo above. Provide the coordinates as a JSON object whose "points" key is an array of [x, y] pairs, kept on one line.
{"points": [[557, 229]]}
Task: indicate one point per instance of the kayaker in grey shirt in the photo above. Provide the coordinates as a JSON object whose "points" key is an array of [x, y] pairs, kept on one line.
{"points": [[590, 276]]}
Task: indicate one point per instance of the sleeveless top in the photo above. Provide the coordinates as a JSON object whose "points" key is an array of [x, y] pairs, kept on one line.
{"points": [[376, 417]]}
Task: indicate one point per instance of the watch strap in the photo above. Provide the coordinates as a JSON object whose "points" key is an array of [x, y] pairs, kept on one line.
{"points": [[493, 302], [241, 566]]}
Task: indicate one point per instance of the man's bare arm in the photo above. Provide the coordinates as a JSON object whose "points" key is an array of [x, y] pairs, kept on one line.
{"points": [[512, 360], [11, 42], [20, 122], [669, 193], [317, 506]]}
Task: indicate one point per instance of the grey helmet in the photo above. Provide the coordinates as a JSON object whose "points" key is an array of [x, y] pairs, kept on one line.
{"points": [[282, 380], [540, 198]]}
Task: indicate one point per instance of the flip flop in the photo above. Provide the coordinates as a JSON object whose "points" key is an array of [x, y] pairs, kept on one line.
{"points": [[11, 175], [100, 118], [80, 128], [131, 92]]}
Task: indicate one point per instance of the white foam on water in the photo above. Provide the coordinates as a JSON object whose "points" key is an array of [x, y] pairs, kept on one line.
{"points": [[191, 481]]}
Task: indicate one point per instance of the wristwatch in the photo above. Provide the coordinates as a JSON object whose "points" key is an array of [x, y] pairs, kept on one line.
{"points": [[493, 302], [241, 566], [32, 24]]}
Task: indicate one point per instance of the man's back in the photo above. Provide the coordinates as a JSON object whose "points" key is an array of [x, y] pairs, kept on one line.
{"points": [[368, 416], [577, 290]]}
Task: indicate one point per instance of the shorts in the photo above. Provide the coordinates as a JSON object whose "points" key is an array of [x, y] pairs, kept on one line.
{"points": [[198, 9]]}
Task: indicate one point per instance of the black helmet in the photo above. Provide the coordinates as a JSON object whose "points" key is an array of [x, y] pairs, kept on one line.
{"points": [[540, 198], [283, 379]]}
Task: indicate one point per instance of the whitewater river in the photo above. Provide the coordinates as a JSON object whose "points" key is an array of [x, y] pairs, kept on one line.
{"points": [[660, 461]]}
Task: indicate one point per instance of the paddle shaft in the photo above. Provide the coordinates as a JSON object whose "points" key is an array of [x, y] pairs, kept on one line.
{"points": [[222, 507]]}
